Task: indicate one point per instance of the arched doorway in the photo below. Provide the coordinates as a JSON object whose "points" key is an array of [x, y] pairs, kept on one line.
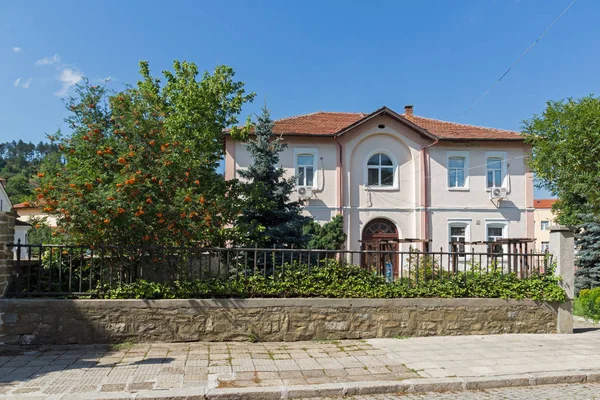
{"points": [[380, 235]]}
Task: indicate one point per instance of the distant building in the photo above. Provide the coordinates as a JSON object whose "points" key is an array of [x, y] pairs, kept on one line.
{"points": [[21, 227], [543, 218]]}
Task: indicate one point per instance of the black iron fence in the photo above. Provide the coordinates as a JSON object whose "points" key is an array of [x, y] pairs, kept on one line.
{"points": [[63, 270]]}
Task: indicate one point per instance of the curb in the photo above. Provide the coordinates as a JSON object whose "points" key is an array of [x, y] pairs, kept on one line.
{"points": [[342, 389]]}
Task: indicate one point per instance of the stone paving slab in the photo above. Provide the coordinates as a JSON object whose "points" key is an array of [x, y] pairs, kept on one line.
{"points": [[140, 368], [301, 369]]}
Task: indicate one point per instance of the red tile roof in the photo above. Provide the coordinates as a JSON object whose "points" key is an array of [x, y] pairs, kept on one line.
{"points": [[330, 123], [30, 204], [544, 203], [318, 123]]}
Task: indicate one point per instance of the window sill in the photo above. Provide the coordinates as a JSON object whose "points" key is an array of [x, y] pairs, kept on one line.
{"points": [[381, 188], [501, 187], [459, 189]]}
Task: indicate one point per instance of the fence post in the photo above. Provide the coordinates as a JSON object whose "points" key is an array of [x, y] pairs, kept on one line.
{"points": [[562, 246], [7, 235]]}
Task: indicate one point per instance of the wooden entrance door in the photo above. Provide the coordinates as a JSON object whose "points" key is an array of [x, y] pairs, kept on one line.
{"points": [[380, 235]]}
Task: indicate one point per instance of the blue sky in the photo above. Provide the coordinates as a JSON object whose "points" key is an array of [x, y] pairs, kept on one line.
{"points": [[305, 56]]}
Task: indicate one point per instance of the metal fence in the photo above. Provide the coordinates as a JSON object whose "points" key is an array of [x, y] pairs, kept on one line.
{"points": [[63, 270]]}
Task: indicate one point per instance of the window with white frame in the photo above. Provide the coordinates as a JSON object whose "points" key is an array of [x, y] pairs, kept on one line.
{"points": [[458, 235], [380, 171], [545, 247], [495, 232], [306, 167], [495, 169], [545, 225]]}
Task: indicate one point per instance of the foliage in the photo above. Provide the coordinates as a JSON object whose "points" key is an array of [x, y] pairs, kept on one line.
{"points": [[19, 162], [333, 280], [140, 165], [268, 217], [564, 159], [589, 299], [587, 274], [41, 232], [330, 236]]}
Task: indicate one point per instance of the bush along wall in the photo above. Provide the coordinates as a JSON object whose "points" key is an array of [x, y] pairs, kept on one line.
{"points": [[589, 300], [333, 280]]}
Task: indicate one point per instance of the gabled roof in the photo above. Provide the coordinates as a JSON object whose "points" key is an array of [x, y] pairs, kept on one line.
{"points": [[544, 203], [324, 123]]}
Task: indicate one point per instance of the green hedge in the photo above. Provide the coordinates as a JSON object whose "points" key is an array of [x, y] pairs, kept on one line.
{"points": [[589, 302], [348, 281]]}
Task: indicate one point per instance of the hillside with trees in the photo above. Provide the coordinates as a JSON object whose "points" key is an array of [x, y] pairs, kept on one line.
{"points": [[19, 164]]}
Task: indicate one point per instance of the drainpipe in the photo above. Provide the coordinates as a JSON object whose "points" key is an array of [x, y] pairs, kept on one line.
{"points": [[425, 188], [340, 186]]}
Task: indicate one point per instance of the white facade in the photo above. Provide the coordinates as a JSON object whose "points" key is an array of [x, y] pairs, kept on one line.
{"points": [[424, 185]]}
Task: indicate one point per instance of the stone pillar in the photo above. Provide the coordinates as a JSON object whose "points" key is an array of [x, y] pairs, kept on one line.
{"points": [[7, 235], [562, 246]]}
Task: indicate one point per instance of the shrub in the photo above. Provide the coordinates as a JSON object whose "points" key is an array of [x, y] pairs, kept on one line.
{"points": [[332, 280], [589, 299]]}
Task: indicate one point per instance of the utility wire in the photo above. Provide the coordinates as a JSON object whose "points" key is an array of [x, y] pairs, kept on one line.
{"points": [[519, 59]]}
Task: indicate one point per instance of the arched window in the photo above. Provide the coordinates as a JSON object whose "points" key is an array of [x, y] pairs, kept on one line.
{"points": [[379, 228], [380, 171]]}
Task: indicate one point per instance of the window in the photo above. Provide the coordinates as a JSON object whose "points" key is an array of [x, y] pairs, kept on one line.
{"points": [[458, 235], [306, 167], [495, 232], [456, 172], [545, 247], [495, 169], [380, 171], [457, 164], [545, 225]]}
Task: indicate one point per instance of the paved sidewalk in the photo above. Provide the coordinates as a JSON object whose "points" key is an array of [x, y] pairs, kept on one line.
{"points": [[301, 369], [133, 368], [439, 357]]}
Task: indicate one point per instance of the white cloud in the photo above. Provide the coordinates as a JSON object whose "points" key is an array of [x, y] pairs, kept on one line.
{"points": [[48, 60], [69, 78], [17, 49], [19, 82]]}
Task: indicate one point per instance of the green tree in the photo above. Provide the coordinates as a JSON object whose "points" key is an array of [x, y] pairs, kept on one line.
{"points": [[268, 217], [329, 236], [139, 166], [587, 275], [566, 155]]}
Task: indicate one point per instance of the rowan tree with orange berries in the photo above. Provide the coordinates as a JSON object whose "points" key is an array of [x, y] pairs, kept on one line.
{"points": [[139, 167]]}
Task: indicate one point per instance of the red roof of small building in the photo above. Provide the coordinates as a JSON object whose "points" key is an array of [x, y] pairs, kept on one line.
{"points": [[544, 203], [324, 123], [30, 204]]}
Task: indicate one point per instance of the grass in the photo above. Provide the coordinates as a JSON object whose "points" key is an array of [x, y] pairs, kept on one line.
{"points": [[122, 346], [577, 310]]}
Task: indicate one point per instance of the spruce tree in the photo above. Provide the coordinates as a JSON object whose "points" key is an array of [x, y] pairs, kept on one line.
{"points": [[587, 275], [269, 218]]}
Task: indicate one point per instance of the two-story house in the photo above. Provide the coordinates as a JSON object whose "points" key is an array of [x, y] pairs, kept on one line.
{"points": [[404, 176]]}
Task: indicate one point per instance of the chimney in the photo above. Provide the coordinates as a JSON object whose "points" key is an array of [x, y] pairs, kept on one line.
{"points": [[408, 111]]}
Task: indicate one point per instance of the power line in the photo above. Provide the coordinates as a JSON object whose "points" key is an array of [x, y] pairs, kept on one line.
{"points": [[519, 59]]}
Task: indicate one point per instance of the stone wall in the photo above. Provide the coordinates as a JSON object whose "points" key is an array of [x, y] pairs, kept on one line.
{"points": [[47, 321], [7, 234]]}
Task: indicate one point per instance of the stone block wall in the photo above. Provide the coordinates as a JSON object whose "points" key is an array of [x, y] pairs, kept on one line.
{"points": [[7, 235], [47, 321]]}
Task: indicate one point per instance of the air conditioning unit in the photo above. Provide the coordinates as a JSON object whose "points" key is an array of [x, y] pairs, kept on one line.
{"points": [[498, 193], [304, 192]]}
